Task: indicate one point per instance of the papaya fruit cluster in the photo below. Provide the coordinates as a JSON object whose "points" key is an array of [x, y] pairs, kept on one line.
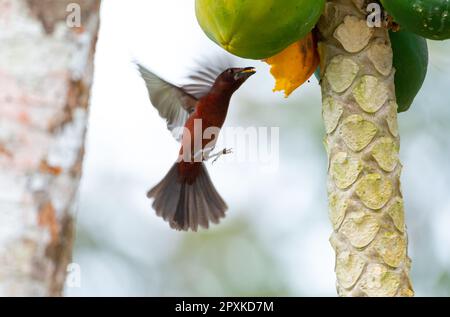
{"points": [[279, 32], [411, 64], [257, 29], [427, 18]]}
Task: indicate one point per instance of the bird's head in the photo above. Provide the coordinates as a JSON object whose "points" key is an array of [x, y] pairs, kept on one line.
{"points": [[232, 78]]}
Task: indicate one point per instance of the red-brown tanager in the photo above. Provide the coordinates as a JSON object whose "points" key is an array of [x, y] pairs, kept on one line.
{"points": [[195, 113]]}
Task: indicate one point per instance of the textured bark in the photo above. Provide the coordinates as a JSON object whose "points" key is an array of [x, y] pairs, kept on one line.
{"points": [[360, 115], [45, 77]]}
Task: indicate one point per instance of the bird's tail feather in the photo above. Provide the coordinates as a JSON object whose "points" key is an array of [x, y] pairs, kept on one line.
{"points": [[187, 206]]}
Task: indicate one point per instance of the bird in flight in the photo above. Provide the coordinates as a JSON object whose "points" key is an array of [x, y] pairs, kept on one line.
{"points": [[186, 197]]}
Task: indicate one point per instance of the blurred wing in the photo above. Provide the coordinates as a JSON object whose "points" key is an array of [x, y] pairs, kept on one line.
{"points": [[173, 103], [204, 75]]}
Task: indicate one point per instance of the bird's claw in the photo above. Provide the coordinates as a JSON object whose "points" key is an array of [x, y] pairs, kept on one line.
{"points": [[219, 154]]}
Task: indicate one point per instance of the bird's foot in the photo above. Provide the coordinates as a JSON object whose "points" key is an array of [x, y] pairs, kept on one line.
{"points": [[217, 155]]}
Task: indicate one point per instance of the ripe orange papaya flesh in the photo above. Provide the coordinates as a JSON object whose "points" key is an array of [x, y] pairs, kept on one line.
{"points": [[257, 29], [411, 64], [427, 18], [294, 65]]}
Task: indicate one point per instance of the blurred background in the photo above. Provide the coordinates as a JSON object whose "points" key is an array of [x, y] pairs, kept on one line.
{"points": [[274, 240]]}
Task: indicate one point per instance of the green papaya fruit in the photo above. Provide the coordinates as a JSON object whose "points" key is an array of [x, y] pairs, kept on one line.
{"points": [[411, 64], [428, 18], [257, 29]]}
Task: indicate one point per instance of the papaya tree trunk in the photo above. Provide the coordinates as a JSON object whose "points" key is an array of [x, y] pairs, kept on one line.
{"points": [[46, 66], [360, 116]]}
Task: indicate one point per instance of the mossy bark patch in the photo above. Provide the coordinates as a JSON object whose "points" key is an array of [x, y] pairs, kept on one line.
{"points": [[345, 169], [374, 190], [392, 248], [341, 72], [353, 34], [337, 209], [381, 56], [332, 113], [357, 132], [360, 228], [379, 281], [385, 152], [397, 213], [370, 93], [392, 119], [349, 267]]}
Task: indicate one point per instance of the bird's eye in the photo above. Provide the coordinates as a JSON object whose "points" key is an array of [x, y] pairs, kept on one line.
{"points": [[230, 71]]}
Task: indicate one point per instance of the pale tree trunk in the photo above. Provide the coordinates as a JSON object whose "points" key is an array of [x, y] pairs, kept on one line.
{"points": [[46, 67], [360, 115]]}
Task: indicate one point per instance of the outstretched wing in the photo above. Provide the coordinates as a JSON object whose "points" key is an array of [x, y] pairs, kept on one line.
{"points": [[203, 76], [173, 103]]}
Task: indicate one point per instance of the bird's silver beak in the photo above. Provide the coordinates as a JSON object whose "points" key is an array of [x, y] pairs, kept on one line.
{"points": [[245, 73]]}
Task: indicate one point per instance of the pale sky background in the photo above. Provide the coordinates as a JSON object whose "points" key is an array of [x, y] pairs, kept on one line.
{"points": [[122, 246]]}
